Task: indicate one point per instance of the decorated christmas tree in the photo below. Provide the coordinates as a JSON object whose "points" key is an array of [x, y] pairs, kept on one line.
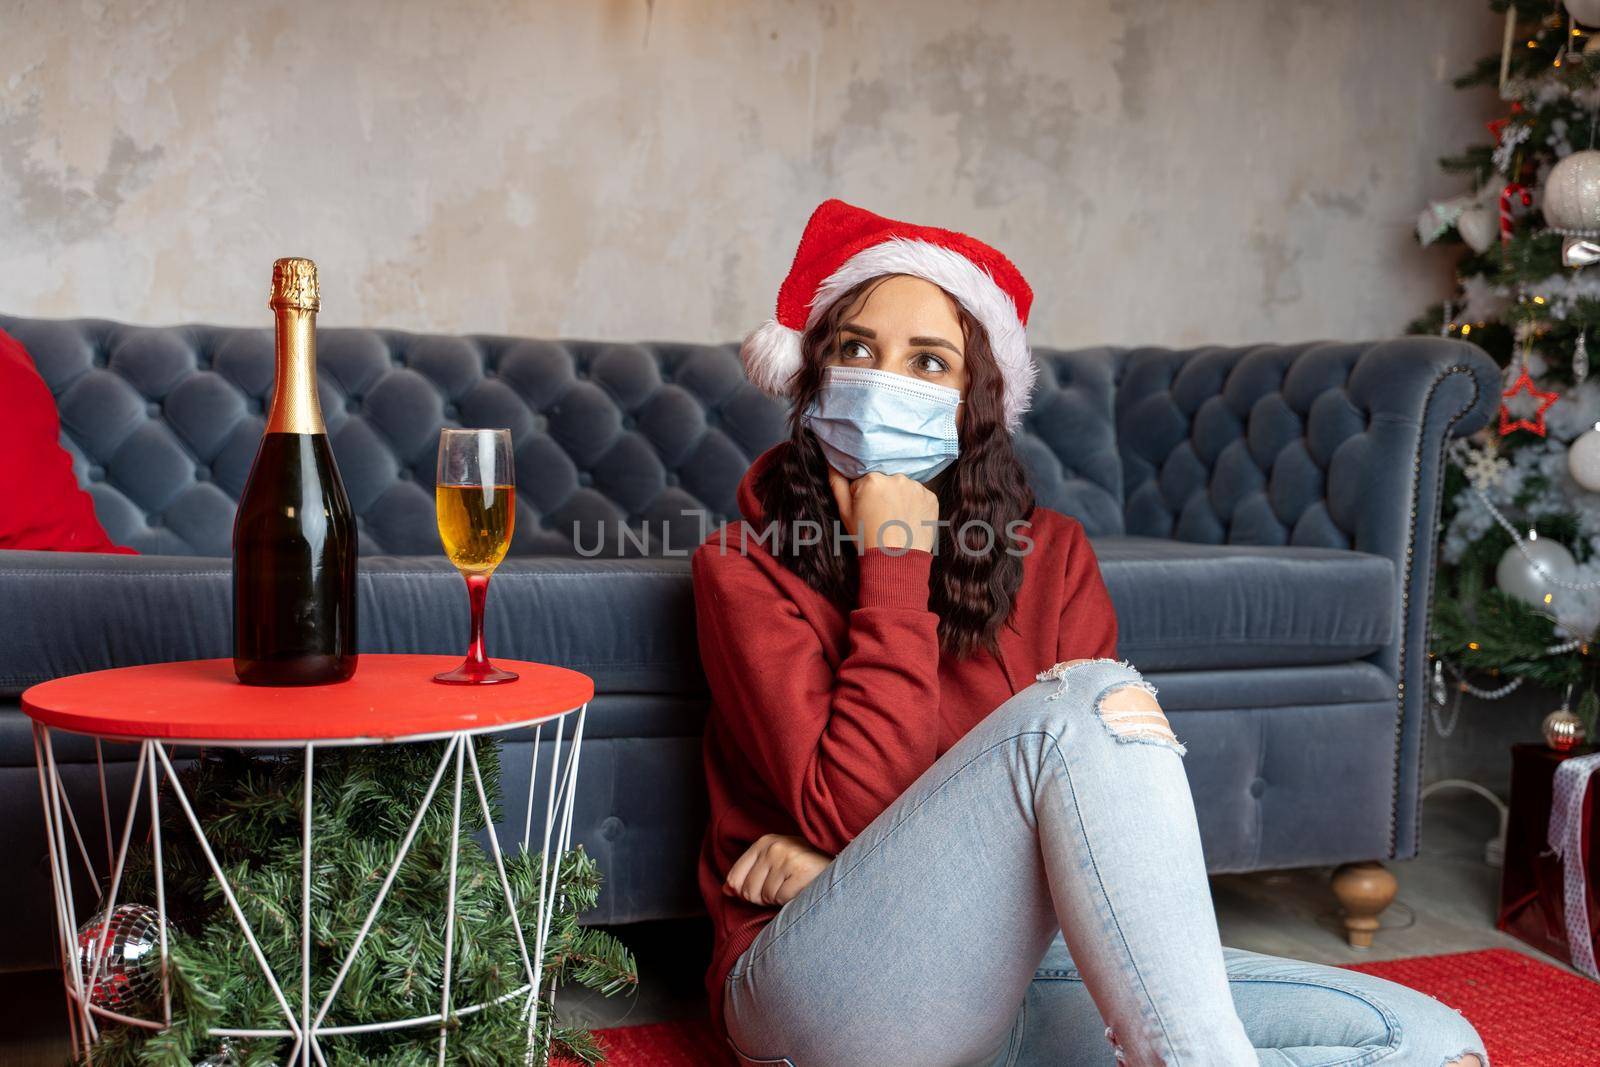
{"points": [[1517, 598], [364, 800]]}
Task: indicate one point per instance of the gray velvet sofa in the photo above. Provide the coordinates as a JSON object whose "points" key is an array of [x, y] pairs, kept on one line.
{"points": [[1263, 516]]}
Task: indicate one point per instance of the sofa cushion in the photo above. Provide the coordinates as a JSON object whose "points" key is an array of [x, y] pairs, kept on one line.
{"points": [[630, 622], [1183, 606], [627, 623]]}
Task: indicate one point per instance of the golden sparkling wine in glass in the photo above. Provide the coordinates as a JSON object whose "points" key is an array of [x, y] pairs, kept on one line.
{"points": [[475, 524], [475, 500]]}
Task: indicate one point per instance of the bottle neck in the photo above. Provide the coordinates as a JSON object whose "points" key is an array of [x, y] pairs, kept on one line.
{"points": [[294, 396]]}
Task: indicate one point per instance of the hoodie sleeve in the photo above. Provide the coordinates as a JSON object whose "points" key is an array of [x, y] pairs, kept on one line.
{"points": [[836, 747], [1088, 627]]}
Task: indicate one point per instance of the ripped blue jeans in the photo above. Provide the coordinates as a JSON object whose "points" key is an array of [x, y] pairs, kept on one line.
{"points": [[1039, 897]]}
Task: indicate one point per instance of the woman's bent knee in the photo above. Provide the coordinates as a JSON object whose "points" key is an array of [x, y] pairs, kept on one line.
{"points": [[1118, 695], [1433, 1032]]}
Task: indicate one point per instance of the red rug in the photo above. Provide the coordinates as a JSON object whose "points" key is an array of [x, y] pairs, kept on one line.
{"points": [[1529, 1013]]}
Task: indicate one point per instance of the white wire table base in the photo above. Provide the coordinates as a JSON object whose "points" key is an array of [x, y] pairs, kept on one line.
{"points": [[303, 1024]]}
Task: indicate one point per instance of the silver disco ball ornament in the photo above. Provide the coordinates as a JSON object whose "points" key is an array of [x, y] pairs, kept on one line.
{"points": [[1563, 731], [128, 947], [1529, 572], [221, 1056]]}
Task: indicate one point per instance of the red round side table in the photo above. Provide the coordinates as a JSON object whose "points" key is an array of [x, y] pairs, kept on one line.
{"points": [[391, 699]]}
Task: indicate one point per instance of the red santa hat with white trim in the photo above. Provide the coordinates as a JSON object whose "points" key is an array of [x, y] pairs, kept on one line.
{"points": [[843, 246]]}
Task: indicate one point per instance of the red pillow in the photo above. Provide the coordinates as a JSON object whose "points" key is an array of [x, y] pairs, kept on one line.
{"points": [[41, 504]]}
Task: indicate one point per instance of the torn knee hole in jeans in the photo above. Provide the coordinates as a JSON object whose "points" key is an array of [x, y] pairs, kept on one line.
{"points": [[1116, 1046], [1467, 1059], [1132, 718]]}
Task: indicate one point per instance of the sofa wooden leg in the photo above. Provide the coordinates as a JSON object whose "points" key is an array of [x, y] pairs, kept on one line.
{"points": [[1363, 891]]}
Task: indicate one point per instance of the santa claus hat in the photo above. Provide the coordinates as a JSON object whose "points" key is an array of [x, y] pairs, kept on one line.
{"points": [[844, 246]]}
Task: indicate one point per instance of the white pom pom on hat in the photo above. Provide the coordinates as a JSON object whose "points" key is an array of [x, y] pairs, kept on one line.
{"points": [[843, 246], [771, 356]]}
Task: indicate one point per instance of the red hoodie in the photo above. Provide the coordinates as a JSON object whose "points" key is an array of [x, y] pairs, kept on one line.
{"points": [[821, 718]]}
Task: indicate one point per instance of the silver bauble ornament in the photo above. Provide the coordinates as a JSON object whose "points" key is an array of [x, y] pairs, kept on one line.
{"points": [[1516, 576], [1585, 11], [128, 946], [1579, 251], [1571, 197], [1583, 460], [1563, 731], [1479, 228]]}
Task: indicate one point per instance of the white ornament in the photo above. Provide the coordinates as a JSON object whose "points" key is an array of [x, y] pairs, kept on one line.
{"points": [[1483, 301], [1485, 466], [1571, 198], [1439, 216], [1479, 227], [1585, 11], [1529, 572], [1583, 461]]}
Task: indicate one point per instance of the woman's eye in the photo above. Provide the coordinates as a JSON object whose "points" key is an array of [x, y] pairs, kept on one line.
{"points": [[854, 350], [928, 363]]}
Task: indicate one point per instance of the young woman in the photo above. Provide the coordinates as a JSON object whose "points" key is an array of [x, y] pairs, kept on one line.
{"points": [[948, 825]]}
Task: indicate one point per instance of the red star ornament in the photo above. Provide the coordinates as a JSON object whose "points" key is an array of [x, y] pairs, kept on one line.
{"points": [[1536, 423]]}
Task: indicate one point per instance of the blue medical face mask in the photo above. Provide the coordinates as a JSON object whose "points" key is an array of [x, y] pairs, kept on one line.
{"points": [[876, 420]]}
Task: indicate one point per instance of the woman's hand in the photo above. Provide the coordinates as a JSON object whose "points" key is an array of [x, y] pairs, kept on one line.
{"points": [[774, 870], [874, 506]]}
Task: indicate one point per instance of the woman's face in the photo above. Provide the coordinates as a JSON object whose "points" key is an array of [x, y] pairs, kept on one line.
{"points": [[906, 326]]}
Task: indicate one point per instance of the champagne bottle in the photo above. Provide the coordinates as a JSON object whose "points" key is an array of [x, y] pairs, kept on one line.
{"points": [[294, 542]]}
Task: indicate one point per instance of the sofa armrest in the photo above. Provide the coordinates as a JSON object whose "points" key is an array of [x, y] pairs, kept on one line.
{"points": [[1326, 444]]}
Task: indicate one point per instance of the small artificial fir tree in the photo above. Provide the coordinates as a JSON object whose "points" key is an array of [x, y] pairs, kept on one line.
{"points": [[363, 801], [1519, 301]]}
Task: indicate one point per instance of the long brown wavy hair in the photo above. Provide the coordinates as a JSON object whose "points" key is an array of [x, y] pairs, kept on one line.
{"points": [[975, 580]]}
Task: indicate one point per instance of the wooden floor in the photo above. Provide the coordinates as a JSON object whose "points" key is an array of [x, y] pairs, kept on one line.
{"points": [[1446, 904]]}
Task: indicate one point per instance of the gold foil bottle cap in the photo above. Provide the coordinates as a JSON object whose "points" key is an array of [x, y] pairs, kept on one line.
{"points": [[294, 284]]}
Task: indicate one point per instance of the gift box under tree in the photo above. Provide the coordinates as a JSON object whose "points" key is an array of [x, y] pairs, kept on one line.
{"points": [[1546, 891]]}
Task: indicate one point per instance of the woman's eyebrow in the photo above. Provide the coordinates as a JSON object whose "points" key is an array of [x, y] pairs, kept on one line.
{"points": [[934, 342], [851, 327]]}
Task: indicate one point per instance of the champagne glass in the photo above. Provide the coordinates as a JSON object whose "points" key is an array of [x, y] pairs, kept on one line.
{"points": [[475, 497]]}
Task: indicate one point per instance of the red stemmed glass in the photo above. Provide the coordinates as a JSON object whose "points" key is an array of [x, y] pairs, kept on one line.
{"points": [[475, 496]]}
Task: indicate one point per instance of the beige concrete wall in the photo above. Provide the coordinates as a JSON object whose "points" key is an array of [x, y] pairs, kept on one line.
{"points": [[1214, 170]]}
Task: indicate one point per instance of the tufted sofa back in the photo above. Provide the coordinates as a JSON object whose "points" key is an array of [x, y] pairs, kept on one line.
{"points": [[1263, 446], [1218, 445]]}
